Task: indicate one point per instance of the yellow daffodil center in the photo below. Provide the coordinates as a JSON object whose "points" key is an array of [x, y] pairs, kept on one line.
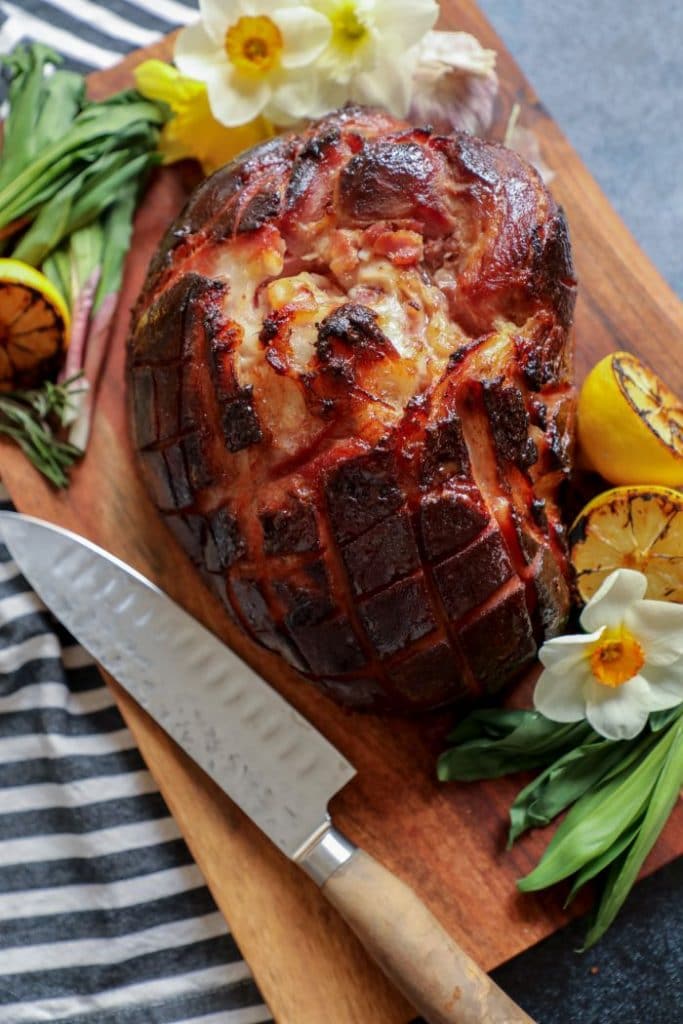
{"points": [[253, 45], [348, 31], [616, 657]]}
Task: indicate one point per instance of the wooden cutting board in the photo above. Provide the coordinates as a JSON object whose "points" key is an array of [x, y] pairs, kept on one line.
{"points": [[448, 841]]}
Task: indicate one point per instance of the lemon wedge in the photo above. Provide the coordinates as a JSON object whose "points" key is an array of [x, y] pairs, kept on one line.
{"points": [[630, 424], [34, 325], [630, 528]]}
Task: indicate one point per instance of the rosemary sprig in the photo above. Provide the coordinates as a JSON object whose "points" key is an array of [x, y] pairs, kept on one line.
{"points": [[32, 420]]}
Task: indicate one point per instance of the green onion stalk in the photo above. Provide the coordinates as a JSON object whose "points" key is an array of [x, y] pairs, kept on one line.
{"points": [[71, 174], [618, 794]]}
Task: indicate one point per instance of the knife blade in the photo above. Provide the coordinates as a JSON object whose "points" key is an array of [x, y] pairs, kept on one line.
{"points": [[269, 760]]}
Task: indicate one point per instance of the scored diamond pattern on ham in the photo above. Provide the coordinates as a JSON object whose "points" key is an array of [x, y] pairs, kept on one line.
{"points": [[350, 387]]}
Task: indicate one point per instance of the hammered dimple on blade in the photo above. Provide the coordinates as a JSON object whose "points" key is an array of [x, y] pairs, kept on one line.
{"points": [[276, 766]]}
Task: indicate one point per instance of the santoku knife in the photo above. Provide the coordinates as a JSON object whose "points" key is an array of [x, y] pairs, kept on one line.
{"points": [[276, 766]]}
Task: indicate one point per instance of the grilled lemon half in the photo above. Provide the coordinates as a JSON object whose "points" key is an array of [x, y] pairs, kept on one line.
{"points": [[630, 528], [630, 424], [34, 325]]}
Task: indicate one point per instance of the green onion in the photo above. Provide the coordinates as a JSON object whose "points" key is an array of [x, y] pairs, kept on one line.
{"points": [[495, 742], [41, 106], [123, 122], [598, 819], [619, 794], [96, 286], [71, 173], [561, 784], [664, 794]]}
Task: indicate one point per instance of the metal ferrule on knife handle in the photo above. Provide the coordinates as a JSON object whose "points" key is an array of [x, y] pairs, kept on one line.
{"points": [[326, 851], [272, 763]]}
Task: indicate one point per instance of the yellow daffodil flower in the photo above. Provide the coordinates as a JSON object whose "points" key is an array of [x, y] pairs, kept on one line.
{"points": [[193, 131]]}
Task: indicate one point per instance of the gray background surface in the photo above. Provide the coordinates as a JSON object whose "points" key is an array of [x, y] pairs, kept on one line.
{"points": [[611, 74]]}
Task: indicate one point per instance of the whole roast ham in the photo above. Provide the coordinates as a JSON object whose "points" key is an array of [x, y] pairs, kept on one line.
{"points": [[350, 387]]}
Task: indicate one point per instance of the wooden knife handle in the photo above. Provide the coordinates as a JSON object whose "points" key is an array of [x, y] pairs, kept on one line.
{"points": [[413, 949]]}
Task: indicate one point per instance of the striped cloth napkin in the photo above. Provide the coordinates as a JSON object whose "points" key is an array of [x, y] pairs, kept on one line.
{"points": [[104, 917], [91, 34]]}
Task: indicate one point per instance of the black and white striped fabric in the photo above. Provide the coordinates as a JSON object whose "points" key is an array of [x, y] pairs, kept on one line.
{"points": [[91, 35], [104, 917]]}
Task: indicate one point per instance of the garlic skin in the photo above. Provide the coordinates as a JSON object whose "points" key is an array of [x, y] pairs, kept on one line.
{"points": [[524, 141], [454, 84]]}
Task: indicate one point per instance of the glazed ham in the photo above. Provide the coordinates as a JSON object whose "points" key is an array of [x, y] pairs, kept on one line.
{"points": [[350, 386]]}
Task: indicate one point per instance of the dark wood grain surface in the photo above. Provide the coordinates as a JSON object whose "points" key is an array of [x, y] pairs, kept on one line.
{"points": [[447, 841]]}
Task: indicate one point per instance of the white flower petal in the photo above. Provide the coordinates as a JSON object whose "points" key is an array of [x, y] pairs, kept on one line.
{"points": [[620, 712], [296, 97], [196, 54], [234, 99], [338, 65], [606, 608], [562, 653], [217, 15], [658, 626], [666, 684], [325, 94], [561, 697], [305, 34], [388, 85], [403, 23], [266, 8]]}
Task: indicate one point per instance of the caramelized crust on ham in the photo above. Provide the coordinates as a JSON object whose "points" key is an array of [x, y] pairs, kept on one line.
{"points": [[350, 390]]}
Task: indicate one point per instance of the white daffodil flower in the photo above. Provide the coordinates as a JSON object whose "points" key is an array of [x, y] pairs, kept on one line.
{"points": [[247, 51], [454, 83], [372, 51], [629, 664]]}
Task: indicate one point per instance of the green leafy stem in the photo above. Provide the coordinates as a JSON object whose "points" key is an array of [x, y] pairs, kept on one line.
{"points": [[71, 174], [33, 420], [619, 795]]}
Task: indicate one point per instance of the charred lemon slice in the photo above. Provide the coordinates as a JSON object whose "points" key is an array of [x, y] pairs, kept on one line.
{"points": [[631, 528], [630, 423], [34, 324]]}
